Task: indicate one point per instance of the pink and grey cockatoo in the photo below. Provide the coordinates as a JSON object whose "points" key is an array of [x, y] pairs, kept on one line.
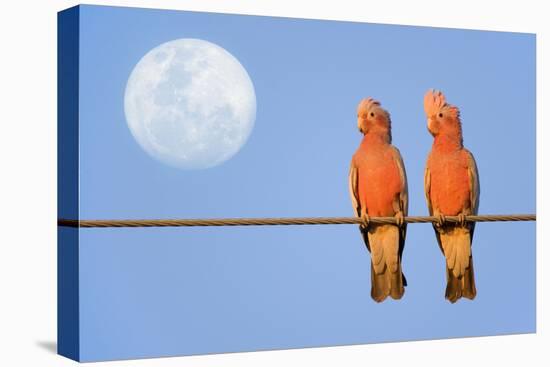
{"points": [[451, 185], [378, 187]]}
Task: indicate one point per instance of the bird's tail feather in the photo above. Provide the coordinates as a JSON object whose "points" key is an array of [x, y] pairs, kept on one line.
{"points": [[459, 263], [387, 277]]}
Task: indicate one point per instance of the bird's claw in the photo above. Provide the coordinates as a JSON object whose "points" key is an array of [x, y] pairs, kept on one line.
{"points": [[365, 218], [440, 220], [399, 219], [462, 219]]}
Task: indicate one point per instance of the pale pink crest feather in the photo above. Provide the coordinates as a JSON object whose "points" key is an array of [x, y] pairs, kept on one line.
{"points": [[434, 101], [367, 103]]}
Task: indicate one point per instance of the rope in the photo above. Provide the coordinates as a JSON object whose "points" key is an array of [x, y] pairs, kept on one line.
{"points": [[281, 221]]}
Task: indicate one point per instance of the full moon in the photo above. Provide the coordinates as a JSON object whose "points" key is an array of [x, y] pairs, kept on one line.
{"points": [[190, 104]]}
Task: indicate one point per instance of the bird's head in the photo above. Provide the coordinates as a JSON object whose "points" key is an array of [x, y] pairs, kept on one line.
{"points": [[371, 117], [443, 118]]}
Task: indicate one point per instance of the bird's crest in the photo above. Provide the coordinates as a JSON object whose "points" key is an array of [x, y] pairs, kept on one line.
{"points": [[434, 102], [367, 103]]}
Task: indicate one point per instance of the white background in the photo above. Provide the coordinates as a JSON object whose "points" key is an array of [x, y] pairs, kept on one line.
{"points": [[28, 182]]}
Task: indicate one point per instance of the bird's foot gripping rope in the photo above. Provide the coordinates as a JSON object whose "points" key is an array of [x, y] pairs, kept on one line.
{"points": [[365, 221], [441, 220], [399, 219], [462, 219]]}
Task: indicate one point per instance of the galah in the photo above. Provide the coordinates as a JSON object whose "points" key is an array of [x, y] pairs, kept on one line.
{"points": [[378, 187], [451, 185]]}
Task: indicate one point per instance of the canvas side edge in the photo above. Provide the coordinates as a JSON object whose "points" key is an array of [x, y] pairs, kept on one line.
{"points": [[68, 325]]}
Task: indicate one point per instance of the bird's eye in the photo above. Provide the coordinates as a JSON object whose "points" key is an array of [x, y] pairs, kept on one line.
{"points": [[372, 114], [440, 115]]}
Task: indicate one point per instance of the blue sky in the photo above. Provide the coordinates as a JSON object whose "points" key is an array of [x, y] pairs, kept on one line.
{"points": [[169, 291]]}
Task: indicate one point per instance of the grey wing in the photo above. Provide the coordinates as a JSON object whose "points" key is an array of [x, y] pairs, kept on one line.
{"points": [[353, 179], [427, 187], [473, 175], [403, 196], [353, 192]]}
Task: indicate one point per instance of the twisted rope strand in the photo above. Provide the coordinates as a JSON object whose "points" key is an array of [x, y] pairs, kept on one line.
{"points": [[95, 223]]}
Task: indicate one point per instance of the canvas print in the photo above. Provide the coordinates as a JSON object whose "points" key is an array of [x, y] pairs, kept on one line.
{"points": [[232, 183]]}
